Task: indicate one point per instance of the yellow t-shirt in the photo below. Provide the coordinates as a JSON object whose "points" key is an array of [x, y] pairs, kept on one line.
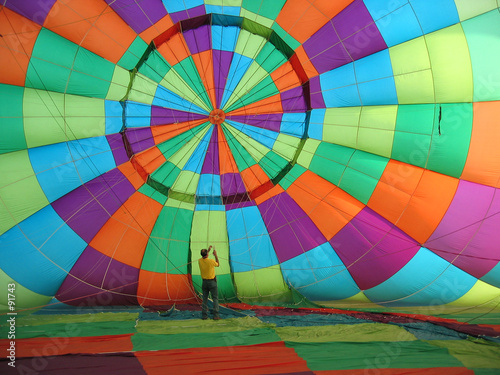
{"points": [[207, 268]]}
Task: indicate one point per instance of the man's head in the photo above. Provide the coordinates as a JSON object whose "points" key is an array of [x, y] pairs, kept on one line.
{"points": [[204, 253]]}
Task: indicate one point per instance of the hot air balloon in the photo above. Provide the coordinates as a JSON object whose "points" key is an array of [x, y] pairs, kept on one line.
{"points": [[343, 154]]}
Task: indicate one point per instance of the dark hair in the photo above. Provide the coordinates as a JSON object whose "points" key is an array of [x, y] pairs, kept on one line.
{"points": [[203, 252]]}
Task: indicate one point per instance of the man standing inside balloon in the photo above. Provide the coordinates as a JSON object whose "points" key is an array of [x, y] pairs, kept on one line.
{"points": [[209, 285]]}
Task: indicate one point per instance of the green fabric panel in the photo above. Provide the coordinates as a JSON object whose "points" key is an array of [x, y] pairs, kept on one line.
{"points": [[375, 141], [51, 61], [483, 38], [181, 157], [241, 156], [146, 341], [227, 3], [287, 146], [256, 149], [252, 77], [373, 355], [416, 119], [289, 40], [249, 44], [259, 20], [155, 67], [11, 119], [363, 332], [340, 126], [171, 146], [20, 193], [473, 353], [262, 285], [173, 82], [269, 9], [34, 320], [186, 183], [143, 90], [451, 65], [119, 86], [259, 28], [273, 164], [330, 161], [369, 164], [269, 58], [190, 326], [264, 89], [291, 176], [450, 148], [91, 75], [189, 73], [152, 193], [133, 54], [25, 298], [167, 250], [76, 329], [166, 174], [468, 9], [411, 148]]}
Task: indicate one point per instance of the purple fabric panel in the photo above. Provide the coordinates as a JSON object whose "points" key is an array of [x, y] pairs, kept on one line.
{"points": [[80, 364], [232, 184], [36, 11], [357, 30], [222, 63], [234, 206], [266, 121], [332, 58], [211, 163], [94, 272], [369, 242], [292, 231], [198, 40], [293, 100], [321, 41], [118, 148], [165, 116], [317, 100], [469, 233], [190, 13], [140, 139], [139, 15], [88, 207]]}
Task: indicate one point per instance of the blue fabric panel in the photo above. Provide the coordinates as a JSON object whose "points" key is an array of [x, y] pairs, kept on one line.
{"points": [[209, 185], [374, 67], [62, 167], [378, 92], [114, 116], [436, 14], [239, 66], [167, 99], [293, 124], [493, 276], [195, 162], [233, 11], [30, 253], [319, 275], [178, 6], [137, 115], [263, 136], [316, 121], [250, 247], [339, 87], [400, 26], [224, 38], [426, 277], [342, 97], [210, 207]]}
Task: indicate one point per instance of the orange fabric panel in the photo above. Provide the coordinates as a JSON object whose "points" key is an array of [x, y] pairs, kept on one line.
{"points": [[226, 159], [125, 235], [154, 30], [162, 133], [50, 346], [285, 77], [174, 50], [131, 174], [329, 207], [275, 190], [268, 105], [268, 358], [301, 19], [205, 67], [93, 25], [306, 63], [149, 159], [394, 190], [15, 48], [428, 205], [159, 289], [253, 177], [483, 161]]}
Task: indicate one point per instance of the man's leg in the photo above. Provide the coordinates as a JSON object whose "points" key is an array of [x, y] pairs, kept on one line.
{"points": [[215, 298], [204, 304]]}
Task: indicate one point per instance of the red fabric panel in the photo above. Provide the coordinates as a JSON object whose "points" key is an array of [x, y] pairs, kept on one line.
{"points": [[269, 358]]}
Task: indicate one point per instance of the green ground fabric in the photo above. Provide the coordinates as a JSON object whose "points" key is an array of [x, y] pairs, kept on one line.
{"points": [[472, 353]]}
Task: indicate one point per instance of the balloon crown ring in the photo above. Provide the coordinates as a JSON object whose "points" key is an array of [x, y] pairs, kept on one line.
{"points": [[217, 116]]}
